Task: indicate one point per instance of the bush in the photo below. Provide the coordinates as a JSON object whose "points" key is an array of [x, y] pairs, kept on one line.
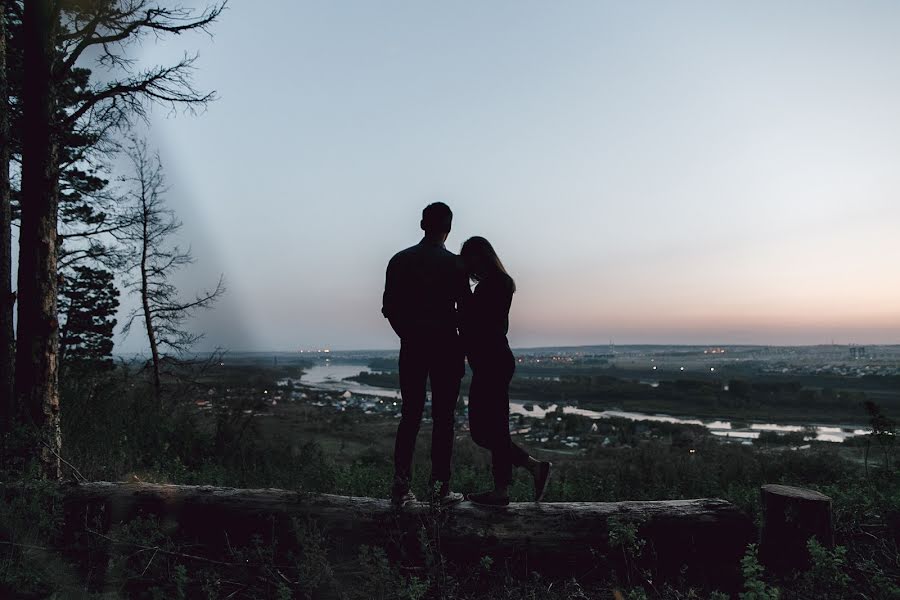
{"points": [[754, 585]]}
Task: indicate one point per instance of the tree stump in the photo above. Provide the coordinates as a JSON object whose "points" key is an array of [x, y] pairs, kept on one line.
{"points": [[791, 516]]}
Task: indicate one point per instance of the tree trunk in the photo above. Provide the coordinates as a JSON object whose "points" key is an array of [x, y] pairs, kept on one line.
{"points": [[36, 382], [7, 337], [145, 295], [702, 540]]}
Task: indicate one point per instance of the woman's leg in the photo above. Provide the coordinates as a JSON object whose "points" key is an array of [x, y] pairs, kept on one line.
{"points": [[503, 456], [484, 420], [539, 469], [506, 453], [493, 410], [516, 456]]}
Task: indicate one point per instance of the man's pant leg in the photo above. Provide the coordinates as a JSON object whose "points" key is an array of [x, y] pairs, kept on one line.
{"points": [[413, 375], [447, 369]]}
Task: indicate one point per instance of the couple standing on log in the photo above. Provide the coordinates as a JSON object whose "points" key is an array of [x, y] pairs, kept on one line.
{"points": [[440, 322]]}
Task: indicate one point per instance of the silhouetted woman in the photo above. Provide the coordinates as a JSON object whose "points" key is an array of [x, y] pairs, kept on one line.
{"points": [[485, 322]]}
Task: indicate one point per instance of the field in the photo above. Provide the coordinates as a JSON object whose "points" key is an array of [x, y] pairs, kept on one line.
{"points": [[230, 424]]}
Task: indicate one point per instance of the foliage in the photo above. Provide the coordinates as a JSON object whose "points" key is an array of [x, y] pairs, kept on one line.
{"points": [[754, 585], [623, 538], [884, 434], [29, 528], [827, 577], [382, 580], [312, 566], [87, 304], [148, 565]]}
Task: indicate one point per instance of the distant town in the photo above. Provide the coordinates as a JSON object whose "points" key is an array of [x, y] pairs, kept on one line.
{"points": [[567, 405]]}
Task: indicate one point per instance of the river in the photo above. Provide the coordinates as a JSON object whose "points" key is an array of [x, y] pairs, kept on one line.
{"points": [[330, 377]]}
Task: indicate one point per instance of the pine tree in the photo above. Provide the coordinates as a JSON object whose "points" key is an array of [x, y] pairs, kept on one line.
{"points": [[88, 301]]}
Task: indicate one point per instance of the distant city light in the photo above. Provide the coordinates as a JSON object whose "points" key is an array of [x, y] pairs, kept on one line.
{"points": [[712, 368], [682, 368], [654, 367]]}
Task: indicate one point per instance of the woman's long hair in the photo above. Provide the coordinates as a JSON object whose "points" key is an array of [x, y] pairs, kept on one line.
{"points": [[481, 259]]}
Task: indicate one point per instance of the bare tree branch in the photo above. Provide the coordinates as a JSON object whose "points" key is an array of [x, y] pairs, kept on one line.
{"points": [[108, 25], [168, 85]]}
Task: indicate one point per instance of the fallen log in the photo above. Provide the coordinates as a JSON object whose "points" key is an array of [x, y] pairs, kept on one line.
{"points": [[700, 540]]}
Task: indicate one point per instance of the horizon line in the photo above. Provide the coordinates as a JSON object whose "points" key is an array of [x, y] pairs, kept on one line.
{"points": [[542, 347]]}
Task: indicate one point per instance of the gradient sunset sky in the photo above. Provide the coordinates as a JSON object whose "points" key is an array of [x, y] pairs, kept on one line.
{"points": [[650, 172]]}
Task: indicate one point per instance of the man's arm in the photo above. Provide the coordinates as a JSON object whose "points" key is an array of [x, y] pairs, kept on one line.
{"points": [[390, 300]]}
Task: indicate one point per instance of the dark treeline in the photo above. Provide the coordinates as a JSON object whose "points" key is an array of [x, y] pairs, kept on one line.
{"points": [[735, 398]]}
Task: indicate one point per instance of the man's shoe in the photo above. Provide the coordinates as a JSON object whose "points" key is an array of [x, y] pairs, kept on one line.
{"points": [[540, 479], [400, 500], [440, 494], [488, 498], [401, 495]]}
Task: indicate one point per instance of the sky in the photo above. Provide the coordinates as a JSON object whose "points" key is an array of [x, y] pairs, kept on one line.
{"points": [[649, 172]]}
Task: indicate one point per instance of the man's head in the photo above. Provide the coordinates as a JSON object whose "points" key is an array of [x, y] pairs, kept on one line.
{"points": [[436, 220]]}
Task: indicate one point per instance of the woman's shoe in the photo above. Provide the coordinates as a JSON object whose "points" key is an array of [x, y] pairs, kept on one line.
{"points": [[488, 499], [541, 476]]}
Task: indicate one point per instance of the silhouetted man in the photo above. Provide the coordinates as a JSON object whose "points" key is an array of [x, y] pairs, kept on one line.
{"points": [[423, 287]]}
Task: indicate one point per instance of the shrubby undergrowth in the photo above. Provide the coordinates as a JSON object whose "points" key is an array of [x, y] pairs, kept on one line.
{"points": [[114, 430]]}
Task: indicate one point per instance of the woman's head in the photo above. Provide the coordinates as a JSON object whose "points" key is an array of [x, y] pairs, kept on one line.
{"points": [[480, 259]]}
